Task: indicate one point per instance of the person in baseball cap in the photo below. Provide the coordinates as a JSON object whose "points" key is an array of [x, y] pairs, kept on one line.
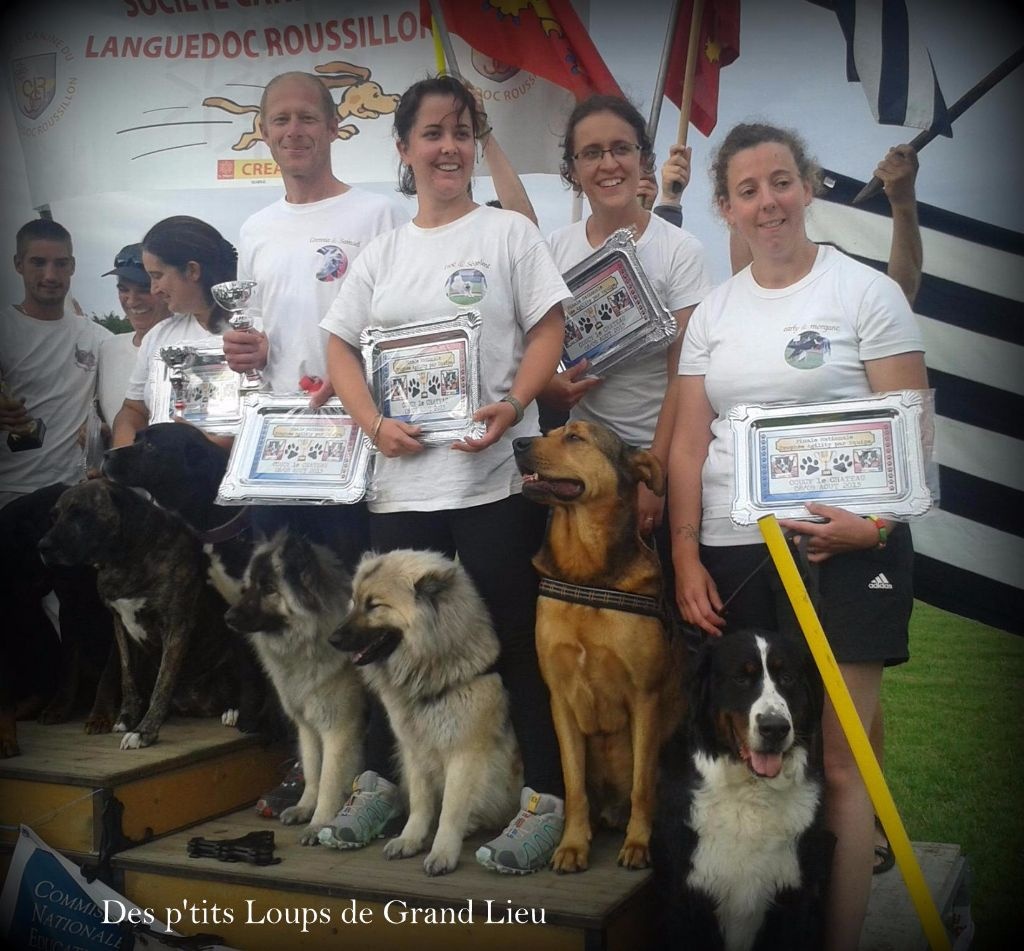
{"points": [[144, 310]]}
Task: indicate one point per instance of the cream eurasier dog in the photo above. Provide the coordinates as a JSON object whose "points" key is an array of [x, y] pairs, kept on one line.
{"points": [[421, 636], [294, 596]]}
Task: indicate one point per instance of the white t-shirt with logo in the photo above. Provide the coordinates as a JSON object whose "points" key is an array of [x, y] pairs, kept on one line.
{"points": [[491, 261], [804, 343], [628, 401], [178, 328], [52, 365], [300, 255]]}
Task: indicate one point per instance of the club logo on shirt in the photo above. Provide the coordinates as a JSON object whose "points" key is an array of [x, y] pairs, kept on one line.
{"points": [[466, 286], [808, 351], [85, 359], [334, 263]]}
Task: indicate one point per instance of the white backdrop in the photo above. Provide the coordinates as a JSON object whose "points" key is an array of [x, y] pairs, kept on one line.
{"points": [[791, 70]]}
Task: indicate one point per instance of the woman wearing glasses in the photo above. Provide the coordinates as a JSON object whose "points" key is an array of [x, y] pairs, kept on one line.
{"points": [[606, 150]]}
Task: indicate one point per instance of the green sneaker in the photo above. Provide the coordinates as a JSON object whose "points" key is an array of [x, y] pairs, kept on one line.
{"points": [[365, 816], [529, 840]]}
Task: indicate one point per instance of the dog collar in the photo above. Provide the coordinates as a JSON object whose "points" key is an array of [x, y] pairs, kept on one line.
{"points": [[232, 528], [609, 598]]}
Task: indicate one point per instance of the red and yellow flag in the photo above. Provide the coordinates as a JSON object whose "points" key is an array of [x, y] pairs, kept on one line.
{"points": [[544, 37], [719, 46]]}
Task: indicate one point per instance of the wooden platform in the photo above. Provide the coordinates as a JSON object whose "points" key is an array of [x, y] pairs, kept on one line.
{"points": [[604, 908], [63, 779], [359, 891]]}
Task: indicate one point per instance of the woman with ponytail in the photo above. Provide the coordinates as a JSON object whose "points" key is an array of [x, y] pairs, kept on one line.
{"points": [[184, 258]]}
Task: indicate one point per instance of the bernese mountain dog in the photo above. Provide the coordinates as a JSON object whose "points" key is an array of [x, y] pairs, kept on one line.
{"points": [[741, 858]]}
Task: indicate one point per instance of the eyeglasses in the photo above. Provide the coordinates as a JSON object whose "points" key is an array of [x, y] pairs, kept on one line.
{"points": [[592, 154]]}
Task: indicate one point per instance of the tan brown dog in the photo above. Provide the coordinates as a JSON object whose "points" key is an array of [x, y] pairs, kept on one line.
{"points": [[615, 676]]}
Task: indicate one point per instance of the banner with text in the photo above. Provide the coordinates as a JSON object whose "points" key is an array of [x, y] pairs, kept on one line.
{"points": [[132, 95]]}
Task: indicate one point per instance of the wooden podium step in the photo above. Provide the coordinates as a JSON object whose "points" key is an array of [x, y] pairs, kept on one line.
{"points": [[361, 900], [65, 782]]}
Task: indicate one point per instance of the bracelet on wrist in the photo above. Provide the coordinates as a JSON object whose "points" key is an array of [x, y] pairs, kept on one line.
{"points": [[516, 405], [883, 530], [376, 428]]}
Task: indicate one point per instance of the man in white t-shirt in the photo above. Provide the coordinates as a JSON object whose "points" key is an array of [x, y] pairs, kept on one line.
{"points": [[300, 248], [48, 365], [144, 310], [299, 251]]}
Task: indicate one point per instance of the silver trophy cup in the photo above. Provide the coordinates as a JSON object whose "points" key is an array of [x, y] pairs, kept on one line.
{"points": [[234, 297], [179, 359]]}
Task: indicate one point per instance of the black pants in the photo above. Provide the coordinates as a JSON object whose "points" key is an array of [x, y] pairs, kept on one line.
{"points": [[495, 544], [345, 529]]}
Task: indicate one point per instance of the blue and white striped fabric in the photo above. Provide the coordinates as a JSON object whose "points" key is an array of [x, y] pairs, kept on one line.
{"points": [[970, 552], [892, 64]]}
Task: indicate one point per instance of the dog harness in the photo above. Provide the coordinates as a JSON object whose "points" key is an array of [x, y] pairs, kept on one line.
{"points": [[609, 598]]}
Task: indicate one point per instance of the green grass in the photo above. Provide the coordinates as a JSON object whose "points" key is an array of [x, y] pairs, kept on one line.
{"points": [[955, 756]]}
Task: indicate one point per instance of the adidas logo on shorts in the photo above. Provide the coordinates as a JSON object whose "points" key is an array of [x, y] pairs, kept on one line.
{"points": [[880, 582]]}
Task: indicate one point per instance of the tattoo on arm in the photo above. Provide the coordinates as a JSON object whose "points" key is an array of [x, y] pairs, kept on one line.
{"points": [[689, 532]]}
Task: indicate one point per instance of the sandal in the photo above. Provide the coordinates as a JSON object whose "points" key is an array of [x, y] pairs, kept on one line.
{"points": [[884, 859]]}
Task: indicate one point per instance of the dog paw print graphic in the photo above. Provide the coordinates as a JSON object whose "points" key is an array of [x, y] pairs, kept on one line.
{"points": [[434, 385], [291, 450], [809, 465], [841, 462], [586, 323], [412, 388], [315, 451], [604, 312]]}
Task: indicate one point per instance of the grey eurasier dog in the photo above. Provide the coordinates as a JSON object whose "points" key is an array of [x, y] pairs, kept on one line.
{"points": [[421, 636], [294, 596]]}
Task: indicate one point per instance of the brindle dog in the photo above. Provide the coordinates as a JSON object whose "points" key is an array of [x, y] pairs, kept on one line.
{"points": [[176, 652], [615, 677]]}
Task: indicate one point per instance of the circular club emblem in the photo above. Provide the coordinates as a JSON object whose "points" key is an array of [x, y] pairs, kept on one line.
{"points": [[808, 351], [493, 69], [333, 265], [466, 286]]}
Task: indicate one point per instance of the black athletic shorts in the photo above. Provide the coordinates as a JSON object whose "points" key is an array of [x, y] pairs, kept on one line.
{"points": [[863, 598]]}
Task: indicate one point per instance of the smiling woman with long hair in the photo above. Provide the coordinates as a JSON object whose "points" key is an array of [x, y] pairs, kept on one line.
{"points": [[464, 500]]}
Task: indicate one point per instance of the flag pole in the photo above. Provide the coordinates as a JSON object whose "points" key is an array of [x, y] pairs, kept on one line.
{"points": [[686, 104], [958, 108], [446, 41], [659, 85]]}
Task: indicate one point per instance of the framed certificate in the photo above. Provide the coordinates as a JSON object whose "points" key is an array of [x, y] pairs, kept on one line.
{"points": [[864, 455], [615, 313], [428, 374], [287, 453], [213, 400]]}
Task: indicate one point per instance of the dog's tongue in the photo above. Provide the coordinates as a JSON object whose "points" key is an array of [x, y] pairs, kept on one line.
{"points": [[768, 765]]}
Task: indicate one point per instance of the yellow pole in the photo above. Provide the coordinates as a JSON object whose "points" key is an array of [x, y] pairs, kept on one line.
{"points": [[438, 48], [885, 807]]}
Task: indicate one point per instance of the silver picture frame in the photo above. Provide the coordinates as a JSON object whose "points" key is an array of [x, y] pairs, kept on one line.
{"points": [[289, 454], [864, 455], [615, 314], [213, 399], [428, 374]]}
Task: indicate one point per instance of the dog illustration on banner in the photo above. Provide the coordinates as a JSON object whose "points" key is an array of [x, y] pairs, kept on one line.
{"points": [[362, 99]]}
